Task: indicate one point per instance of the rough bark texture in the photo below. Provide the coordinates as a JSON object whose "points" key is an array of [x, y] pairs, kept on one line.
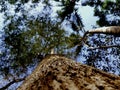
{"points": [[60, 73]]}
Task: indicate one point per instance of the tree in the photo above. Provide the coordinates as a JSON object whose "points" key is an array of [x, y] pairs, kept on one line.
{"points": [[97, 43], [60, 73], [107, 11], [108, 14], [28, 38]]}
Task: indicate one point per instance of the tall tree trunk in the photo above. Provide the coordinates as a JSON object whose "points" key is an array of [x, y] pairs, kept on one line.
{"points": [[60, 73]]}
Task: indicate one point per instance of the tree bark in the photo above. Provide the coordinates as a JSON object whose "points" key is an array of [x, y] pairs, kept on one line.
{"points": [[57, 72], [112, 30]]}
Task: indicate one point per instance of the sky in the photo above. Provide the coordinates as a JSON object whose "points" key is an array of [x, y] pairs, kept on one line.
{"points": [[86, 13], [88, 19], [1, 20]]}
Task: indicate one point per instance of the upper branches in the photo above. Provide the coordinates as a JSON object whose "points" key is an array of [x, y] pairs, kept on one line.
{"points": [[111, 30]]}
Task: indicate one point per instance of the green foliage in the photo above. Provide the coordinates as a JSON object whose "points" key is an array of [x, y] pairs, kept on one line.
{"points": [[108, 13], [74, 40], [105, 10], [49, 35], [22, 1], [68, 8], [40, 35], [28, 37], [40, 38], [70, 13]]}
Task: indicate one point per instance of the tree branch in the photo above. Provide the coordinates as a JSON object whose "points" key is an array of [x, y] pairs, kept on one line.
{"points": [[111, 30], [12, 82], [104, 47]]}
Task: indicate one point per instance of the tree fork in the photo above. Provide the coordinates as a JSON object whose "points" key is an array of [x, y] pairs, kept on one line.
{"points": [[110, 30]]}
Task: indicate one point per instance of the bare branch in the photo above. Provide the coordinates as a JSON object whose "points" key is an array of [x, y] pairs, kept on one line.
{"points": [[12, 82], [104, 47], [111, 30]]}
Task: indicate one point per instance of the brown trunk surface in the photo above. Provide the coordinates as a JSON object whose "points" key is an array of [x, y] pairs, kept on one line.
{"points": [[60, 73]]}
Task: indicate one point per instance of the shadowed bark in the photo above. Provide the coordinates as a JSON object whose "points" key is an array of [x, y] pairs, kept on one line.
{"points": [[60, 73]]}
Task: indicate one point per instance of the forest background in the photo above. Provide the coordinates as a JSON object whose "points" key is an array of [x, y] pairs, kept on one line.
{"points": [[31, 28]]}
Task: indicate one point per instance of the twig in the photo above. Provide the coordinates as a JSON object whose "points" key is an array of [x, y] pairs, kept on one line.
{"points": [[104, 47], [100, 47], [12, 82]]}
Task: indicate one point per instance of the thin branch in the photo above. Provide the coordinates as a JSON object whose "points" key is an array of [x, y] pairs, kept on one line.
{"points": [[83, 38], [104, 47], [12, 82], [114, 30]]}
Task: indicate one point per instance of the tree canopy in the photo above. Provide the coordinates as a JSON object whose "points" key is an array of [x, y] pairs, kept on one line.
{"points": [[31, 31], [107, 11]]}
